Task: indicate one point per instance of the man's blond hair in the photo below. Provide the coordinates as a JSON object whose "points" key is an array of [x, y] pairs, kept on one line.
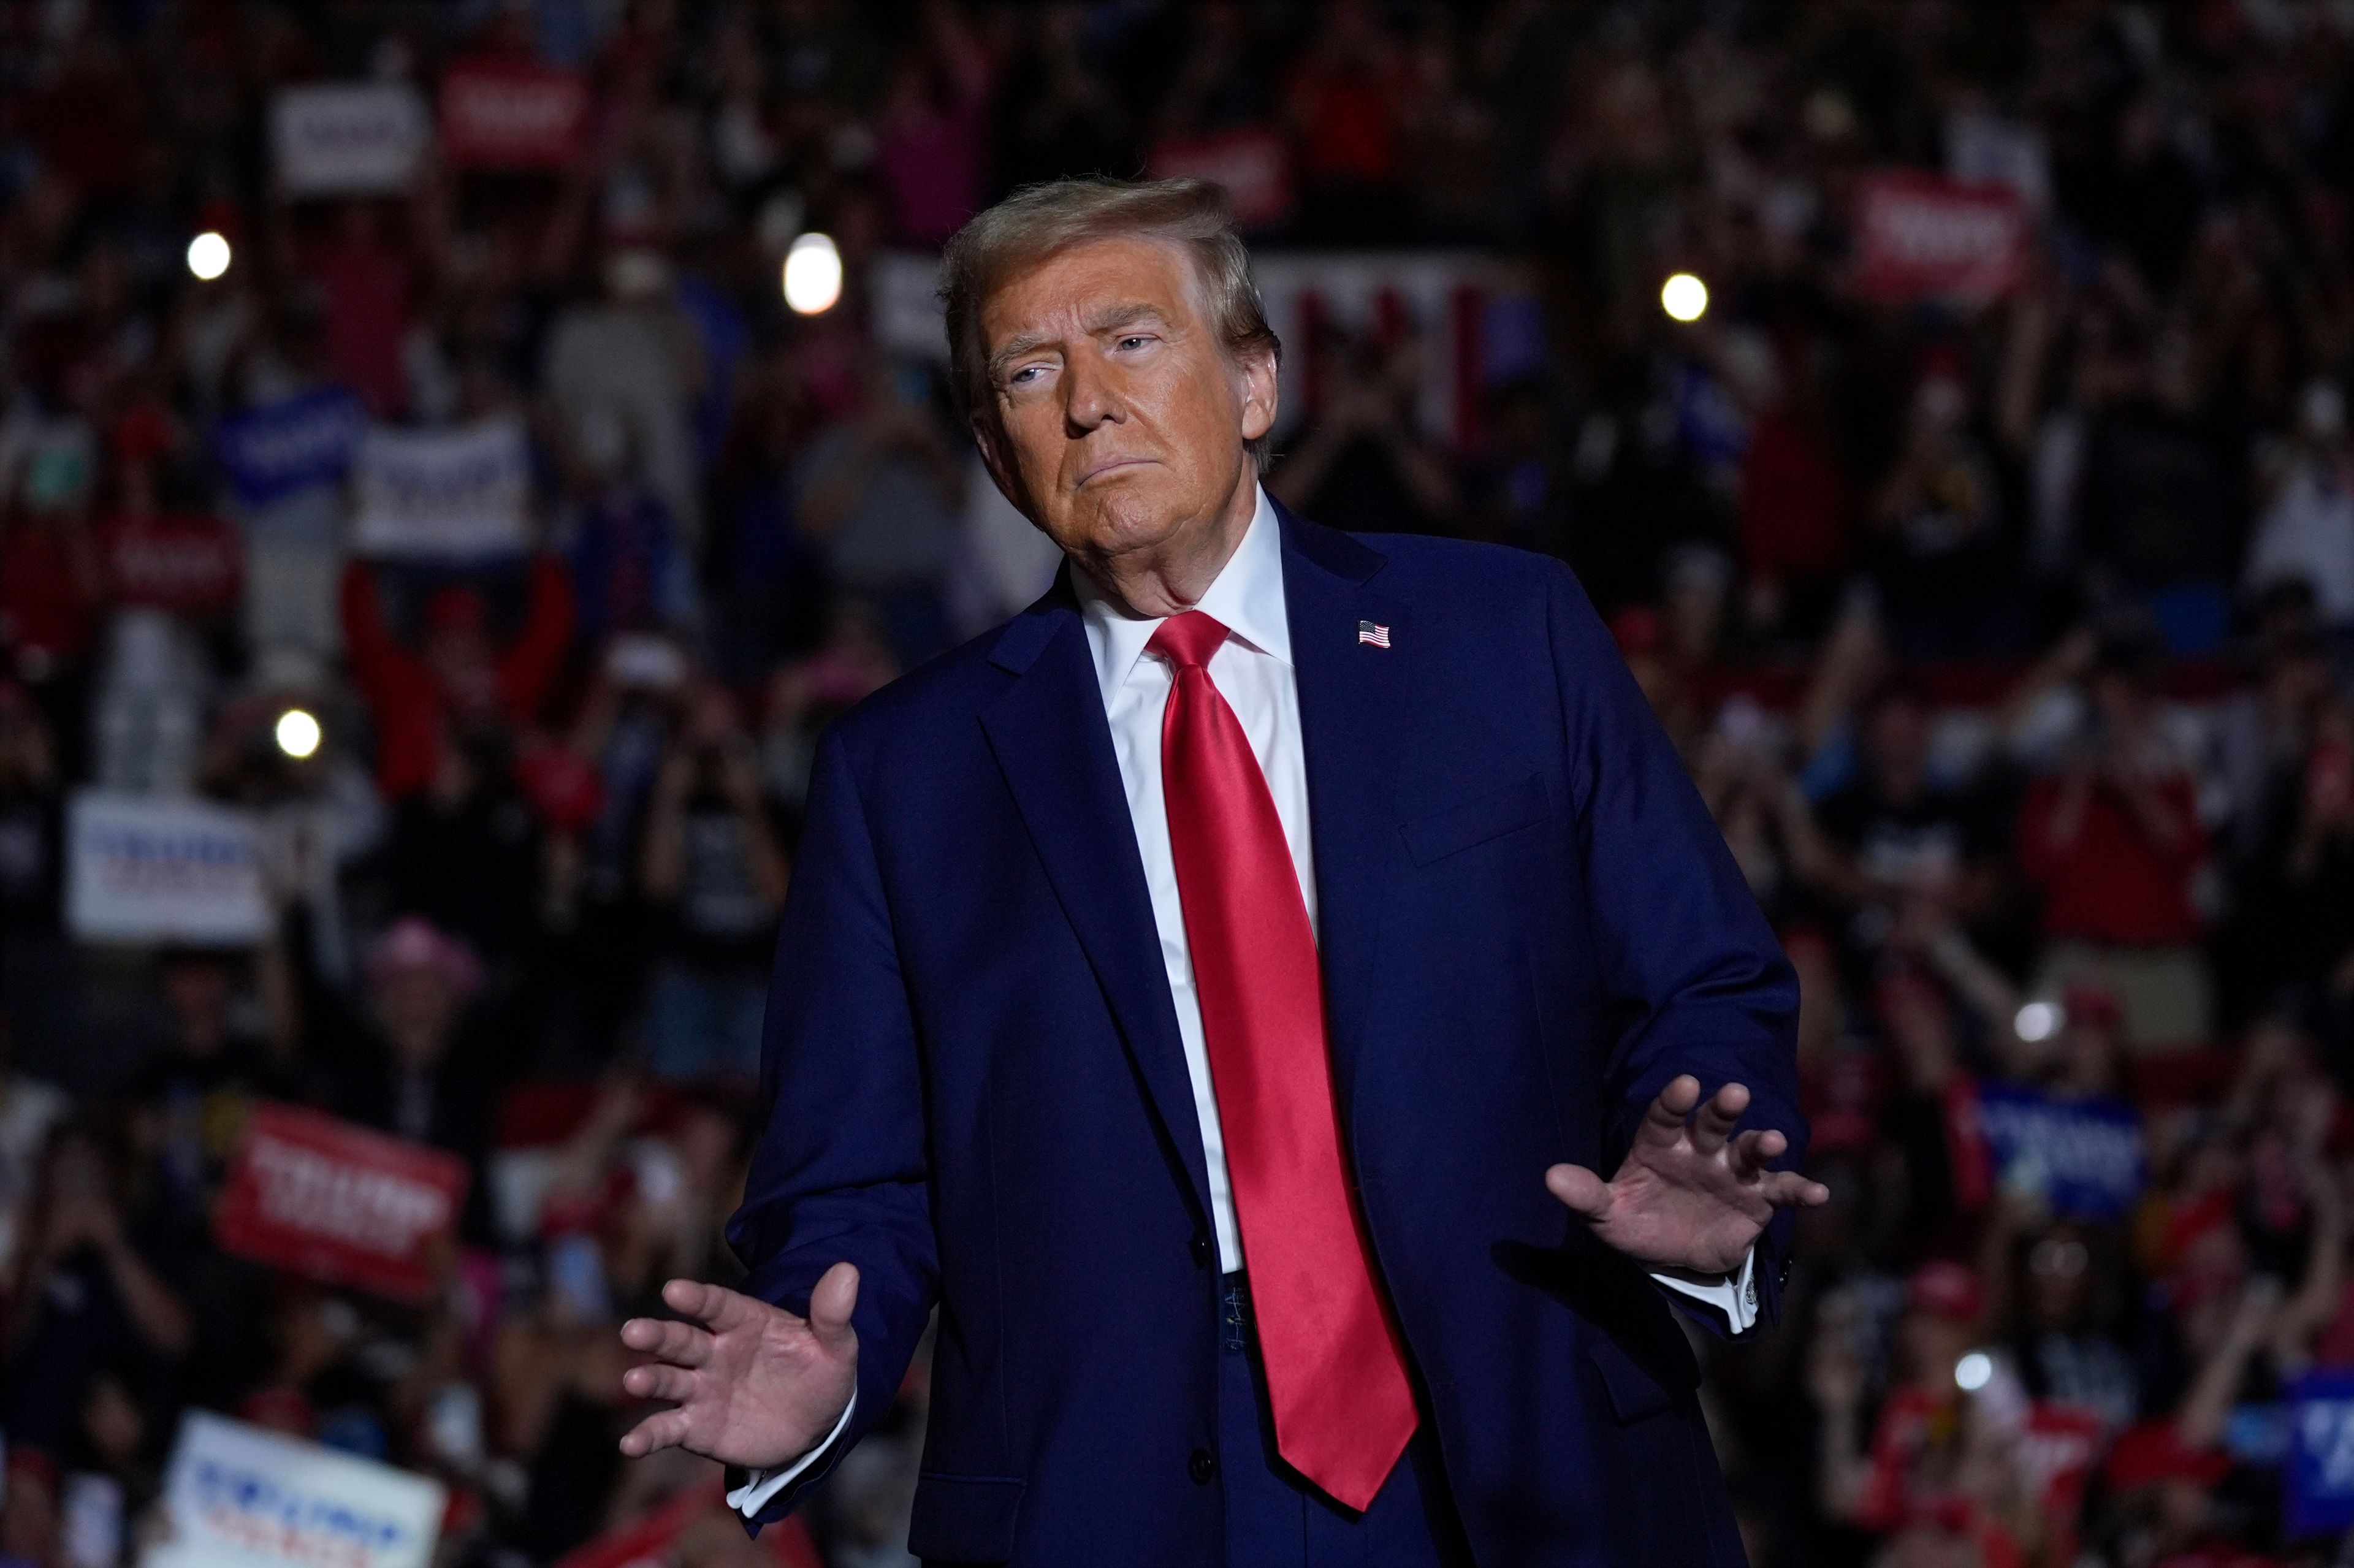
{"points": [[1042, 220]]}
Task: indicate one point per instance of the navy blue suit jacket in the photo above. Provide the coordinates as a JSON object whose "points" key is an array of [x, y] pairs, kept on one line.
{"points": [[1528, 923]]}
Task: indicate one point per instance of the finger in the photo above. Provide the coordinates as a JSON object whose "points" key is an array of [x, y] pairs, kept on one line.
{"points": [[655, 1381], [1664, 1122], [1788, 1189], [1716, 1118], [682, 1343], [1587, 1195], [1754, 1149], [716, 1307], [663, 1429], [830, 1304]]}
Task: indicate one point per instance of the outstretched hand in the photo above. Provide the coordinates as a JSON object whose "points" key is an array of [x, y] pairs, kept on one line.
{"points": [[1689, 1195], [751, 1385]]}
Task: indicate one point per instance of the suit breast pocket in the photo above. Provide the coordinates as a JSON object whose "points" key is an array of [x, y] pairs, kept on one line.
{"points": [[1435, 836]]}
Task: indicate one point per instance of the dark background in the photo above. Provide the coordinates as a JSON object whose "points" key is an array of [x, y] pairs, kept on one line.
{"points": [[2007, 630]]}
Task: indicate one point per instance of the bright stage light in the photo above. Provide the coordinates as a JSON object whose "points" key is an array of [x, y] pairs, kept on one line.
{"points": [[2037, 1021], [813, 274], [208, 255], [298, 733], [1684, 297]]}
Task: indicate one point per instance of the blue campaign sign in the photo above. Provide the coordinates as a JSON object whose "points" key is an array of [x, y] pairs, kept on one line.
{"points": [[296, 444], [2085, 1155], [2319, 1497]]}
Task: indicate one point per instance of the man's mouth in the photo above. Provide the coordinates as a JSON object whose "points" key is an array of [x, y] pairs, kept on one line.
{"points": [[1109, 465]]}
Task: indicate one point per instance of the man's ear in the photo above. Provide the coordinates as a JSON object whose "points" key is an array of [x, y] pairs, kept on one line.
{"points": [[994, 457], [1260, 388]]}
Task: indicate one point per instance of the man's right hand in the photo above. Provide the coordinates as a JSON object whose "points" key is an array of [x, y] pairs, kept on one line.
{"points": [[751, 1383]]}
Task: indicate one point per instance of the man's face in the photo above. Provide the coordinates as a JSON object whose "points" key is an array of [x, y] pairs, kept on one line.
{"points": [[1121, 420]]}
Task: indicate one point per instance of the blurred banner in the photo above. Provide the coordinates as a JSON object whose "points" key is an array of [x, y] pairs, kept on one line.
{"points": [[2319, 1497], [2084, 1157], [348, 138], [238, 1496], [1469, 320], [463, 492], [1919, 236], [511, 114], [340, 1203], [142, 868], [1251, 161], [295, 444]]}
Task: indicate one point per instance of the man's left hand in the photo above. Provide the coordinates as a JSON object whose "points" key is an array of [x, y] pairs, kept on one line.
{"points": [[1689, 1195]]}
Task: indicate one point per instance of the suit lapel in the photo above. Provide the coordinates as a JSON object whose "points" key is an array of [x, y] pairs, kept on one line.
{"points": [[1053, 743], [1348, 689]]}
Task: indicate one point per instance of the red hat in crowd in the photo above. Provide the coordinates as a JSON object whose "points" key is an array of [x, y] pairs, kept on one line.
{"points": [[32, 1465], [1636, 631], [143, 434], [561, 784], [1944, 1289], [2151, 1452], [2089, 1002]]}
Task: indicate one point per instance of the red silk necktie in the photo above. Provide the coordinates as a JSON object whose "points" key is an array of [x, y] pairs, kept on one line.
{"points": [[1335, 1368]]}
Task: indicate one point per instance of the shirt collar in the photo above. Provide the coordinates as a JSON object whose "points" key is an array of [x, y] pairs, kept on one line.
{"points": [[1246, 597]]}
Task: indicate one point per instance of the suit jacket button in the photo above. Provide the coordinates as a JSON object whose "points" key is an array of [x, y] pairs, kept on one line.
{"points": [[1200, 1466], [1201, 1245]]}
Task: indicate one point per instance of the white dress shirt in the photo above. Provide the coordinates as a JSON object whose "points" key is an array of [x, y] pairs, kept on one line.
{"points": [[1253, 671]]}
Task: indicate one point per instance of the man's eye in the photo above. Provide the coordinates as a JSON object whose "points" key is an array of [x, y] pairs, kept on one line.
{"points": [[1134, 337], [1027, 372]]}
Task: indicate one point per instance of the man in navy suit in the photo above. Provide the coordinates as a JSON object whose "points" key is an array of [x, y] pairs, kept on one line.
{"points": [[1216, 993]]}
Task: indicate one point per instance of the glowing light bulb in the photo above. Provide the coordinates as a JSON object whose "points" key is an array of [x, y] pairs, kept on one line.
{"points": [[1684, 297], [2037, 1021], [298, 733], [813, 274], [1973, 1372], [208, 255]]}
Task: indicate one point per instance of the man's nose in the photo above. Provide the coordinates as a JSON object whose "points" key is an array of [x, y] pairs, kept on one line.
{"points": [[1091, 395]]}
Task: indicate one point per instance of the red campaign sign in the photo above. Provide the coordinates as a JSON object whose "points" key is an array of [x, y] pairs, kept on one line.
{"points": [[1252, 164], [648, 1542], [511, 114], [1922, 236], [340, 1203]]}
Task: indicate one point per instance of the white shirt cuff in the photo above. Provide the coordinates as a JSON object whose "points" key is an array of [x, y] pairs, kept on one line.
{"points": [[1735, 1294], [754, 1494]]}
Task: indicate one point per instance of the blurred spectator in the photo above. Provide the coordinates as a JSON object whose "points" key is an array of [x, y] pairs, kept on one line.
{"points": [[459, 686], [2113, 840], [883, 489], [712, 867], [1363, 456]]}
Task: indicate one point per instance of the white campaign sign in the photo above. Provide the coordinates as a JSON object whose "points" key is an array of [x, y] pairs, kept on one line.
{"points": [[240, 1497], [463, 492], [141, 869], [348, 138]]}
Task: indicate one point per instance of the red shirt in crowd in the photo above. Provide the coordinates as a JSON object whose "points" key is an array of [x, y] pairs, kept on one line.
{"points": [[407, 701], [2109, 880]]}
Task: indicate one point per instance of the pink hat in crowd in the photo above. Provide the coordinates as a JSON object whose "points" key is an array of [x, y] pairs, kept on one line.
{"points": [[1944, 1289], [413, 942]]}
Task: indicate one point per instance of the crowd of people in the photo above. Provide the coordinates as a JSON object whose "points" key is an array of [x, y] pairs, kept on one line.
{"points": [[2008, 637]]}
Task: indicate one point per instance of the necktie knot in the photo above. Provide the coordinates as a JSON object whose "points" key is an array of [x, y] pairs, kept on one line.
{"points": [[1187, 640]]}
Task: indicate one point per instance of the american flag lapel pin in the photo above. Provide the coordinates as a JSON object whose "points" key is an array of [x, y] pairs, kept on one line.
{"points": [[1374, 632]]}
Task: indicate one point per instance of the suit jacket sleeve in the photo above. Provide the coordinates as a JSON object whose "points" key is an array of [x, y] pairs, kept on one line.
{"points": [[1696, 980], [841, 1173]]}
